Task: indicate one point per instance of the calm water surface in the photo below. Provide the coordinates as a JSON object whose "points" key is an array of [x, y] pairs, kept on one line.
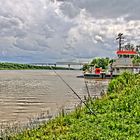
{"points": [[25, 94]]}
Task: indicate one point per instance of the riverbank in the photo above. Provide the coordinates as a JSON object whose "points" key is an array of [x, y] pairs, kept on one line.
{"points": [[117, 116], [16, 66], [26, 94]]}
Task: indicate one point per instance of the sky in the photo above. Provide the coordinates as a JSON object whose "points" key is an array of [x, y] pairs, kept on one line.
{"points": [[65, 30]]}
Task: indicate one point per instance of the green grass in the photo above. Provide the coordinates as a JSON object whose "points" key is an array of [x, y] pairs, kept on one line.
{"points": [[15, 66], [118, 117]]}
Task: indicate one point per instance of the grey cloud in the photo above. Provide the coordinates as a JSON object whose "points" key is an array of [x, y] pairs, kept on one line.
{"points": [[8, 22], [11, 26], [27, 44], [52, 30], [70, 10], [110, 9]]}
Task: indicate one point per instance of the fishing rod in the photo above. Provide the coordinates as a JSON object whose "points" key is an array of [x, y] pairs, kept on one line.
{"points": [[91, 111], [89, 96]]}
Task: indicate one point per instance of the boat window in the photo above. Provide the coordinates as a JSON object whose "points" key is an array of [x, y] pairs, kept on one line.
{"points": [[118, 70]]}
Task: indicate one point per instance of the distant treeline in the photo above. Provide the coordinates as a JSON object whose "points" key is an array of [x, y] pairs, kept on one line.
{"points": [[15, 66]]}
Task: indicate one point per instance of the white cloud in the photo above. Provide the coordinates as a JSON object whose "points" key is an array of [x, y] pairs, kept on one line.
{"points": [[48, 30]]}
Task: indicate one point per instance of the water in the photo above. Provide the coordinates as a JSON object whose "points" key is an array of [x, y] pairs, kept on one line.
{"points": [[25, 94]]}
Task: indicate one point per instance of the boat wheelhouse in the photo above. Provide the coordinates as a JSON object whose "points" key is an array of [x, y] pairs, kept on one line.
{"points": [[124, 62]]}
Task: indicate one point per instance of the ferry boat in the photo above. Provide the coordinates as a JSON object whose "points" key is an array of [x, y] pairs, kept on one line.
{"points": [[124, 62]]}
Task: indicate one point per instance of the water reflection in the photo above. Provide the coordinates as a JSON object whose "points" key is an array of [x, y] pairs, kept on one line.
{"points": [[24, 94]]}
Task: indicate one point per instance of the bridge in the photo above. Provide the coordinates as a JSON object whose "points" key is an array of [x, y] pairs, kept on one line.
{"points": [[43, 64], [68, 64]]}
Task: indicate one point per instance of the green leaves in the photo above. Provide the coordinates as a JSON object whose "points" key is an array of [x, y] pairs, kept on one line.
{"points": [[15, 66], [136, 60], [98, 63]]}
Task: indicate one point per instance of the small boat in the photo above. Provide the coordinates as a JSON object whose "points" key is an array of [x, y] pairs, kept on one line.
{"points": [[98, 73]]}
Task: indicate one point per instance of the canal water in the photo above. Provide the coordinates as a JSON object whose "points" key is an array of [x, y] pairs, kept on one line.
{"points": [[25, 94]]}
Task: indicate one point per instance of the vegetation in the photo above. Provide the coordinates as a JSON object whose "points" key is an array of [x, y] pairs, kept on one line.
{"points": [[15, 66], [138, 49], [98, 63], [136, 60], [86, 67], [129, 47], [117, 116]]}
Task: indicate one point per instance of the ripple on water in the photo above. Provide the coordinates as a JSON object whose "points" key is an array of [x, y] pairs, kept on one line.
{"points": [[24, 94]]}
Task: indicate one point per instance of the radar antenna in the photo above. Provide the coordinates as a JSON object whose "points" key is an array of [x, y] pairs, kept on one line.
{"points": [[120, 38]]}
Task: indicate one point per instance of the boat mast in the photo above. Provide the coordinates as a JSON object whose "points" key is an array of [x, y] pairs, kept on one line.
{"points": [[120, 38]]}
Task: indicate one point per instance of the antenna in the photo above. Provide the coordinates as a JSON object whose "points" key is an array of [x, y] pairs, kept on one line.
{"points": [[120, 38]]}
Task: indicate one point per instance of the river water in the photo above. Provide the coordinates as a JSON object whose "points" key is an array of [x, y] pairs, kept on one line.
{"points": [[25, 94]]}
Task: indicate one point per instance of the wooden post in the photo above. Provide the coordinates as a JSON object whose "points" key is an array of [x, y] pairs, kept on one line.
{"points": [[69, 66]]}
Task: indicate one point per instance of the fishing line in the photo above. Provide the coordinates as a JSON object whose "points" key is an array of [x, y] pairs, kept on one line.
{"points": [[91, 111]]}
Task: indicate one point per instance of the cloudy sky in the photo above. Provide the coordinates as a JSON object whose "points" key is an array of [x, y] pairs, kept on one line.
{"points": [[65, 30]]}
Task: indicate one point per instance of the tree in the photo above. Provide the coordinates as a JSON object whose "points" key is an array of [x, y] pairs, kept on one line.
{"points": [[85, 67], [129, 46], [138, 49], [100, 62]]}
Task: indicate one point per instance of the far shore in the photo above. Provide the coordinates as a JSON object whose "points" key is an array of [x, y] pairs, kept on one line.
{"points": [[16, 66]]}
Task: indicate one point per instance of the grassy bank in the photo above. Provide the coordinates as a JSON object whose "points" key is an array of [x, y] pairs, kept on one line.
{"points": [[15, 66], [117, 117]]}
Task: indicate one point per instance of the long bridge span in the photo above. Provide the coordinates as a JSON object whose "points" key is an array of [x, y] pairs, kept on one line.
{"points": [[66, 64]]}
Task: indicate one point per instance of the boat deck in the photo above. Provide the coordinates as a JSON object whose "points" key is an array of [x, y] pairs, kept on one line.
{"points": [[98, 76]]}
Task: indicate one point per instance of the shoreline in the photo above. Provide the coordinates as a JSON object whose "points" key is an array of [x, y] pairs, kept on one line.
{"points": [[17, 66], [18, 81], [110, 120]]}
